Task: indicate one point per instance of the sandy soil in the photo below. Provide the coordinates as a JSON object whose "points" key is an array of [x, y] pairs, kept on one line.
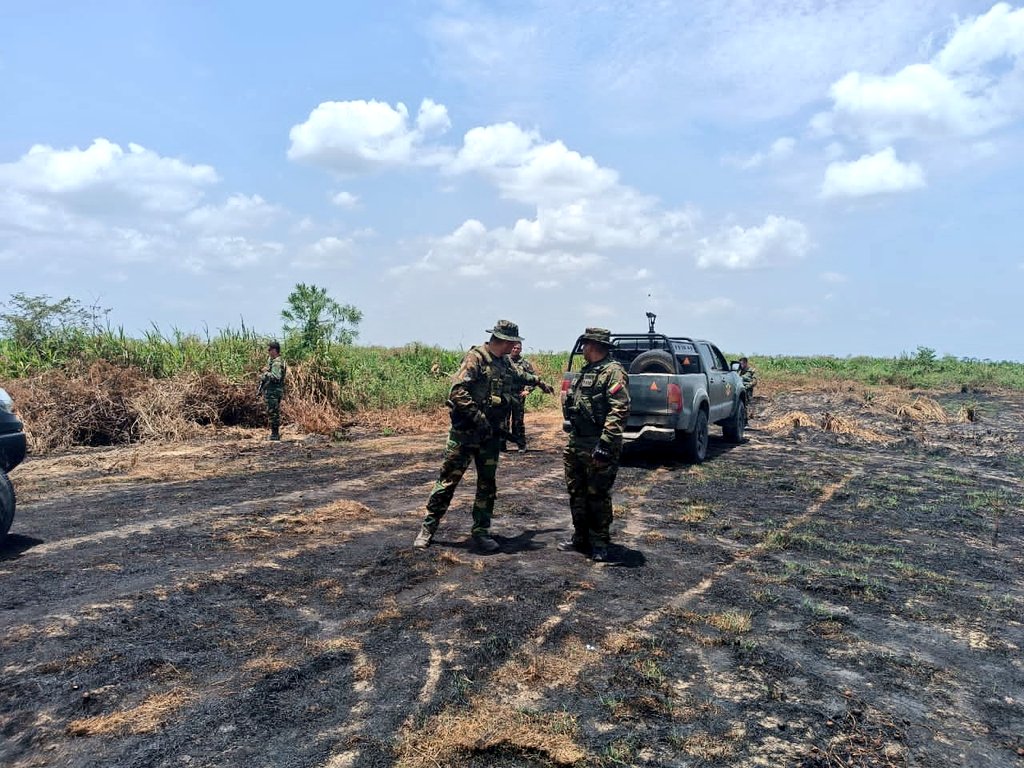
{"points": [[846, 588]]}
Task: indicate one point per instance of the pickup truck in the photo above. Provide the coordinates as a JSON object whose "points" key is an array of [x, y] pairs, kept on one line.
{"points": [[12, 451], [677, 387]]}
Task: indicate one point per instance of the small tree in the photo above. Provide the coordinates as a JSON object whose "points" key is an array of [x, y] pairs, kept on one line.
{"points": [[30, 320], [313, 319]]}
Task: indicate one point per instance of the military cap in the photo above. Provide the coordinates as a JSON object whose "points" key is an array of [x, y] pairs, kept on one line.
{"points": [[506, 330], [600, 335]]}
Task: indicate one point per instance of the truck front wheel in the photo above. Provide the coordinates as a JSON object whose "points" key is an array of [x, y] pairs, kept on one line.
{"points": [[7, 502], [694, 444]]}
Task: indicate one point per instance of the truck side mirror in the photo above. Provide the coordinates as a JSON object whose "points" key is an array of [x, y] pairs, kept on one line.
{"points": [[734, 365]]}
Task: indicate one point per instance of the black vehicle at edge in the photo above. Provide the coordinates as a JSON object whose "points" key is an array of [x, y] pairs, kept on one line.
{"points": [[12, 452]]}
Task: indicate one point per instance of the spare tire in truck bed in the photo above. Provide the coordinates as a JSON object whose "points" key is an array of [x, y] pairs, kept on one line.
{"points": [[653, 361]]}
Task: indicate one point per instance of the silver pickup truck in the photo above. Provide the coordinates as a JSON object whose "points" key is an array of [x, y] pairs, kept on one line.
{"points": [[677, 387]]}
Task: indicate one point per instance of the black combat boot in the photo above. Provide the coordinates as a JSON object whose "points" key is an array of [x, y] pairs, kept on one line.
{"points": [[274, 434]]}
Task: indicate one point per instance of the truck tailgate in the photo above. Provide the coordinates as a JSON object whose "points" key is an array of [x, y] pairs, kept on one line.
{"points": [[650, 402]]}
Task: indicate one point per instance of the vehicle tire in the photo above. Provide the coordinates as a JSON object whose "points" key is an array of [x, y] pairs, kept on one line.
{"points": [[653, 361], [694, 445], [7, 504], [732, 429]]}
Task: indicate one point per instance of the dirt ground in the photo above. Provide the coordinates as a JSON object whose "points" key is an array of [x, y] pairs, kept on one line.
{"points": [[846, 588]]}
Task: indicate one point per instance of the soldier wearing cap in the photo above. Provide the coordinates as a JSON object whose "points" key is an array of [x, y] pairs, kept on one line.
{"points": [[479, 400], [595, 409]]}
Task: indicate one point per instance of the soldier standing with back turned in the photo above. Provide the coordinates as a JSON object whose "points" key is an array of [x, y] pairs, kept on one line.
{"points": [[596, 408], [272, 387], [479, 399]]}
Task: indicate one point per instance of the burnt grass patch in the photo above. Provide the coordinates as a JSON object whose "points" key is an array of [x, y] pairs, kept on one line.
{"points": [[802, 599]]}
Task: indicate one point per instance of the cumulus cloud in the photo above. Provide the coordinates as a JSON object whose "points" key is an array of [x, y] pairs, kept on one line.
{"points": [[103, 174], [351, 137], [716, 306], [345, 199], [126, 205], [871, 175], [778, 241], [972, 86], [237, 213], [328, 251]]}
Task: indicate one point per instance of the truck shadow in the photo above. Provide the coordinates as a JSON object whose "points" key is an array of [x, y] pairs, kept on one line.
{"points": [[15, 546], [653, 455]]}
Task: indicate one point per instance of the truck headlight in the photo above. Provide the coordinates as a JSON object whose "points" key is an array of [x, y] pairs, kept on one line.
{"points": [[6, 403]]}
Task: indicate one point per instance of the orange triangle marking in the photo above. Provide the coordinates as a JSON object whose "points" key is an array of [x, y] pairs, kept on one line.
{"points": [[654, 386]]}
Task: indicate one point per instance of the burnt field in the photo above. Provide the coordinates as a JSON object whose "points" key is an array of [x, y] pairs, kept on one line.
{"points": [[846, 588]]}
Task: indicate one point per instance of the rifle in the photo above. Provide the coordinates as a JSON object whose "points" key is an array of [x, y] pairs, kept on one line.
{"points": [[464, 423]]}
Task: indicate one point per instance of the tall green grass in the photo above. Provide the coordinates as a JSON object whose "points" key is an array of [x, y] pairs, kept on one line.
{"points": [[417, 375]]}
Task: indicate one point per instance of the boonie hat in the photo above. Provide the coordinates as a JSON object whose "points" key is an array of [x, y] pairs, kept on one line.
{"points": [[506, 330], [600, 335]]}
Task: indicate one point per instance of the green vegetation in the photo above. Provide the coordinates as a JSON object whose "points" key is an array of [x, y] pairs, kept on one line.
{"points": [[923, 370]]}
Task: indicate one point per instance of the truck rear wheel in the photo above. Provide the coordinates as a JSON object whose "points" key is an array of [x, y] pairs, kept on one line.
{"points": [[7, 503], [653, 361], [733, 428], [694, 445]]}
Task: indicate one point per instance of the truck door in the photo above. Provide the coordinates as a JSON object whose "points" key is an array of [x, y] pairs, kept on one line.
{"points": [[717, 370]]}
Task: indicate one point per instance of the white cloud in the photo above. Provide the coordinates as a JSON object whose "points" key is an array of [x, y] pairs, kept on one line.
{"points": [[328, 251], [358, 136], [780, 149], [776, 242], [237, 213], [972, 86], [105, 203], [871, 175], [345, 199], [104, 175]]}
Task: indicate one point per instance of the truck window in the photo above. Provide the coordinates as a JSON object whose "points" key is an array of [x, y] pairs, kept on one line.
{"points": [[720, 362], [713, 362]]}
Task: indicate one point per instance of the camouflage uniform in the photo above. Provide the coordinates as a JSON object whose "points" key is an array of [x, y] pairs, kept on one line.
{"points": [[749, 376], [516, 423], [272, 385], [480, 398], [596, 408]]}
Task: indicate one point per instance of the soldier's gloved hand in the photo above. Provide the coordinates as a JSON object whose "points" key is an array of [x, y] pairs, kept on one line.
{"points": [[601, 456], [546, 388]]}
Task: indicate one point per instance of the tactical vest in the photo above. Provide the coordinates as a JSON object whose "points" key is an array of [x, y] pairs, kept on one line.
{"points": [[586, 405], [492, 391]]}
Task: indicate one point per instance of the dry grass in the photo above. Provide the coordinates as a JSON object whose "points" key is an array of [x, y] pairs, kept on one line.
{"points": [[828, 422], [736, 622], [907, 408], [485, 726], [148, 716]]}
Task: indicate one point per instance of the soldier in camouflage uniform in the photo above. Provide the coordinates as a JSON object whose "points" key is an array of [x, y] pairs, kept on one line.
{"points": [[272, 387], [596, 409], [749, 376], [516, 424], [480, 398]]}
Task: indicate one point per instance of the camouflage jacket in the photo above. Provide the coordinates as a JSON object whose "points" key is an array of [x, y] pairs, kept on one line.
{"points": [[524, 366], [749, 377], [272, 379], [483, 388], [597, 405]]}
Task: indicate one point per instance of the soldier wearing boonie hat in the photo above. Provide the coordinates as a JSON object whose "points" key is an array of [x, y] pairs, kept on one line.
{"points": [[595, 408], [479, 401]]}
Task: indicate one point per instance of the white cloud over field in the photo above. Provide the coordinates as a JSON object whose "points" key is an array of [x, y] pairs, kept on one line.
{"points": [[871, 175], [777, 242]]}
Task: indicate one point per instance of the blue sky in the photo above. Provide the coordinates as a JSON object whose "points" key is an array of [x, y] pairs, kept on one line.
{"points": [[783, 178]]}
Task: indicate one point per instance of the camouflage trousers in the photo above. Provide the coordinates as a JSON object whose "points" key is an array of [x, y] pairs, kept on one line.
{"points": [[273, 398], [590, 491], [516, 422], [458, 453]]}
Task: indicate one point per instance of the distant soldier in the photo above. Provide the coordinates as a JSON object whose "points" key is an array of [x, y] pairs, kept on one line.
{"points": [[596, 408], [516, 424], [272, 387], [479, 400], [749, 376]]}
